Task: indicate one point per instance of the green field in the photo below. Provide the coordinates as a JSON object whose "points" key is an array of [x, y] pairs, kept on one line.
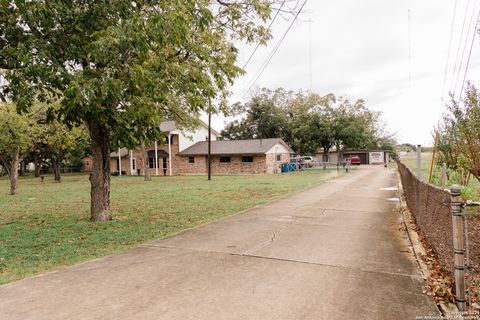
{"points": [[411, 162], [470, 192], [47, 226]]}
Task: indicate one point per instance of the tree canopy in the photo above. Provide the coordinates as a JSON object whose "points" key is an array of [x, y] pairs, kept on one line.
{"points": [[459, 136], [309, 122], [117, 66]]}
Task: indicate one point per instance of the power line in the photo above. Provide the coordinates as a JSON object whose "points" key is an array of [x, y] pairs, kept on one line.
{"points": [[272, 54], [469, 54], [310, 51], [269, 57], [458, 49], [465, 45], [449, 49], [269, 26]]}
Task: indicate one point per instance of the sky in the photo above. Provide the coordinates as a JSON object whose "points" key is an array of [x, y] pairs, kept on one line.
{"points": [[361, 49]]}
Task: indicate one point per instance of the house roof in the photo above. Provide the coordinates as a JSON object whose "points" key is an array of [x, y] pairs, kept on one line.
{"points": [[167, 126], [123, 153], [225, 147], [170, 125]]}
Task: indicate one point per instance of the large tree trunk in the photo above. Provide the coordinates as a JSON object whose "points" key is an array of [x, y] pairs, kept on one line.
{"points": [[38, 165], [22, 168], [14, 171], [325, 155], [57, 167], [56, 171], [145, 161], [100, 177]]}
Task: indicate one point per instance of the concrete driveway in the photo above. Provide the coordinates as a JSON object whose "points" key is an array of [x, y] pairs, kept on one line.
{"points": [[331, 252]]}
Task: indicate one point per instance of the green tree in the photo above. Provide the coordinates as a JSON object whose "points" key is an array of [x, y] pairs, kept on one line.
{"points": [[264, 119], [459, 135], [20, 134], [279, 114], [118, 65], [58, 142], [355, 126], [309, 122], [314, 131]]}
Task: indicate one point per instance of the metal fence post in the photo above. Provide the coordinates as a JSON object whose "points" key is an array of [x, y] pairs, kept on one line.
{"points": [[458, 246], [419, 162]]}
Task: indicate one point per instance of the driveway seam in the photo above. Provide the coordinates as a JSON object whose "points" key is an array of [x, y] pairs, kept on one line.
{"points": [[412, 276]]}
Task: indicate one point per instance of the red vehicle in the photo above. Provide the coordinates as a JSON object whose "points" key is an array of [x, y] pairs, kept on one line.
{"points": [[355, 160]]}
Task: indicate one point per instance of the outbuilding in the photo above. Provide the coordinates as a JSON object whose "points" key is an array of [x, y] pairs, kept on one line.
{"points": [[366, 156]]}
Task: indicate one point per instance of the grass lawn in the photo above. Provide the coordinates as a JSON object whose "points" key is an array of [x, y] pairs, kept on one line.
{"points": [[47, 225]]}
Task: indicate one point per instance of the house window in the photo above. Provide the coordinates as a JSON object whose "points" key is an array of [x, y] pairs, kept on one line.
{"points": [[247, 159], [191, 159], [279, 157], [134, 164], [224, 159], [166, 140], [151, 163]]}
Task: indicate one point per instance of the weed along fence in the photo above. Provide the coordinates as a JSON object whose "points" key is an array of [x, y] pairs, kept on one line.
{"points": [[453, 234]]}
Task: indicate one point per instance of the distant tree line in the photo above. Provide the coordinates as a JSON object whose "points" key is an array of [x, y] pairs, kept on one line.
{"points": [[309, 122]]}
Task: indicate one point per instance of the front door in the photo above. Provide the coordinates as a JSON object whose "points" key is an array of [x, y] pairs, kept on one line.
{"points": [[164, 166], [133, 167]]}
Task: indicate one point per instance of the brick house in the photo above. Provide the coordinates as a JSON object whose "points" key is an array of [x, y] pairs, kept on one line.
{"points": [[185, 152], [235, 157], [161, 155], [86, 163]]}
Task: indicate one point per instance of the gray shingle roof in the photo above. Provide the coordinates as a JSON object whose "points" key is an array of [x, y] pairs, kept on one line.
{"points": [[167, 126], [226, 147], [123, 153]]}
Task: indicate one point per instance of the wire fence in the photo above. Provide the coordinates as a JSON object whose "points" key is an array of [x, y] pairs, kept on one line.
{"points": [[431, 207]]}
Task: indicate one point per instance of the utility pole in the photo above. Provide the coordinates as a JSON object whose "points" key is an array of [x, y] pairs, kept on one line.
{"points": [[409, 50], [458, 246], [433, 157], [310, 51], [209, 159], [419, 162], [119, 162]]}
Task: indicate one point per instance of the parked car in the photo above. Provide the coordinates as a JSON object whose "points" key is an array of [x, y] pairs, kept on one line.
{"points": [[309, 161], [355, 160]]}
